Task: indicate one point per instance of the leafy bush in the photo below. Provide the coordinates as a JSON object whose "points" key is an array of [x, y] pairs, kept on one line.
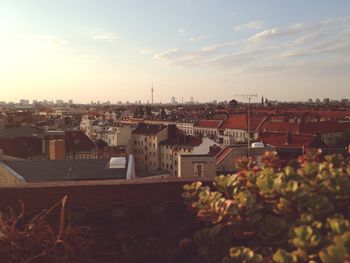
{"points": [[278, 213]]}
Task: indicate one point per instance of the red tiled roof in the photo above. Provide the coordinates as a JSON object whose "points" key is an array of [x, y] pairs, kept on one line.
{"points": [[280, 126], [307, 127], [279, 139], [241, 122], [324, 127], [212, 124]]}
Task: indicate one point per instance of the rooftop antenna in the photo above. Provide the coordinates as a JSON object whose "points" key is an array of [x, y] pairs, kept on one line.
{"points": [[249, 97]]}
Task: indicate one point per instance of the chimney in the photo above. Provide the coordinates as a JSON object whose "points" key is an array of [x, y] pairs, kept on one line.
{"points": [[57, 150]]}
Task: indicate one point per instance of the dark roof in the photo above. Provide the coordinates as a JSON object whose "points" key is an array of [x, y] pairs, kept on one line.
{"points": [[148, 129], [77, 141], [183, 140], [21, 132], [22, 147], [45, 170]]}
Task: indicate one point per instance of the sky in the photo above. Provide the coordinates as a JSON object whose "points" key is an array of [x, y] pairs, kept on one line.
{"points": [[99, 50]]}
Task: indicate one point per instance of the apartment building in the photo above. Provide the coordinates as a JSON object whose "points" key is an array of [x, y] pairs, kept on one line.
{"points": [[235, 128], [182, 144], [196, 165], [208, 128], [186, 127], [117, 136], [146, 140]]}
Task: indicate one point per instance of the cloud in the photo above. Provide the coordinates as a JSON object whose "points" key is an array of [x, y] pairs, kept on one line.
{"points": [[295, 47], [49, 42], [182, 58], [199, 38], [146, 51], [251, 25], [182, 31], [220, 46], [108, 37], [301, 29]]}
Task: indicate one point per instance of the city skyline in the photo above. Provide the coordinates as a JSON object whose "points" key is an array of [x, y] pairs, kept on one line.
{"points": [[114, 50]]}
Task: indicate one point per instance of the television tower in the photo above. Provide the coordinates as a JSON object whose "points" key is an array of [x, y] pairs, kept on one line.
{"points": [[152, 90]]}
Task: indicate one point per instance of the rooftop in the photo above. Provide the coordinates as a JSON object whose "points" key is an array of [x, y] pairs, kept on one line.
{"points": [[61, 170], [78, 141], [21, 132], [240, 121], [214, 124], [149, 129]]}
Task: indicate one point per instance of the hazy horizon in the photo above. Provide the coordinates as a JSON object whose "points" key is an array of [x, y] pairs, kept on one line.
{"points": [[210, 50]]}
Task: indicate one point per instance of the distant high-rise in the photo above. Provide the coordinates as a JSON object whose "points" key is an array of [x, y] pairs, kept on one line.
{"points": [[24, 102], [70, 102], [172, 100], [191, 100]]}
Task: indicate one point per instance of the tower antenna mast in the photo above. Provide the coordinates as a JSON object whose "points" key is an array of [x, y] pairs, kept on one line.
{"points": [[152, 91], [249, 97]]}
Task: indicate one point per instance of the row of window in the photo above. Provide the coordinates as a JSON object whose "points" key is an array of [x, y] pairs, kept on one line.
{"points": [[236, 134], [207, 132], [141, 144]]}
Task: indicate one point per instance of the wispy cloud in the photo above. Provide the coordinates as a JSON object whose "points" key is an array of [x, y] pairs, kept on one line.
{"points": [[251, 25], [108, 37], [48, 42], [300, 29], [298, 46], [199, 38], [146, 51], [182, 31]]}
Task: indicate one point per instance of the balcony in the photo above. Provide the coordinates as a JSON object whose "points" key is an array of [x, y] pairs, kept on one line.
{"points": [[142, 210]]}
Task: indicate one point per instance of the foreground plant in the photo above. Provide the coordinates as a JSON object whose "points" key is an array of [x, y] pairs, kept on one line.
{"points": [[41, 239], [278, 213]]}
